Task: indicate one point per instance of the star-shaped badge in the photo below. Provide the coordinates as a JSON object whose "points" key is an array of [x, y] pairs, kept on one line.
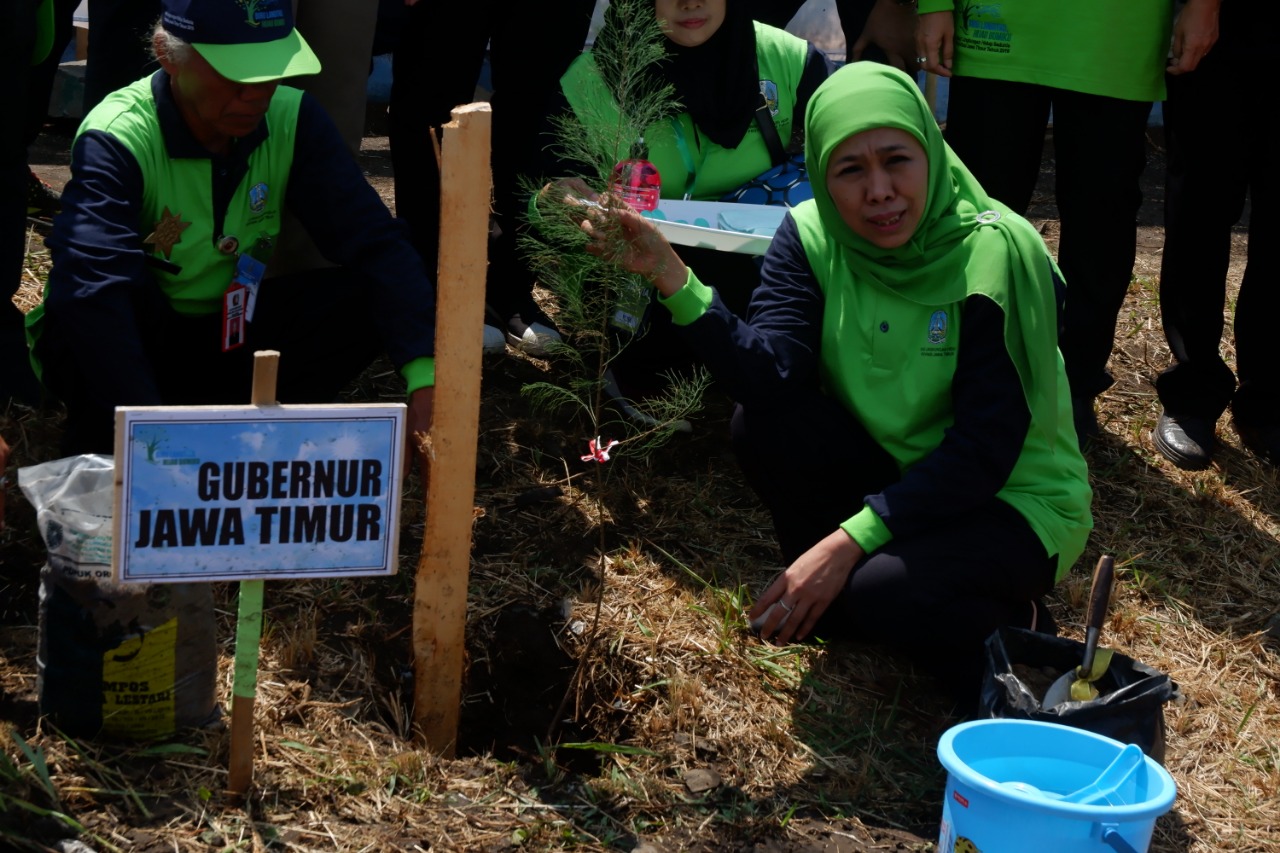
{"points": [[168, 232]]}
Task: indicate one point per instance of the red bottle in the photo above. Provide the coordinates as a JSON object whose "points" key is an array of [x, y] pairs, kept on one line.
{"points": [[636, 181]]}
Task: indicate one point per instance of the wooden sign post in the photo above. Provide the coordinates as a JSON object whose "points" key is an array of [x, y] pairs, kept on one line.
{"points": [[440, 590], [244, 687], [251, 492]]}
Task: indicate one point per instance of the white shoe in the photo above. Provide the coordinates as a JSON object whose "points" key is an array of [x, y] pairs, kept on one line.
{"points": [[494, 341], [534, 340]]}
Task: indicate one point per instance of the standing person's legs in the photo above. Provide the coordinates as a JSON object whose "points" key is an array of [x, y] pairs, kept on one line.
{"points": [[1100, 147], [997, 129], [17, 41], [523, 91], [1256, 406], [40, 82], [1204, 196], [119, 46], [341, 34], [434, 68], [1243, 49]]}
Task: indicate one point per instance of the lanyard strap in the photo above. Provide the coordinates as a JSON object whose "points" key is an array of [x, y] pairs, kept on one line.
{"points": [[769, 130]]}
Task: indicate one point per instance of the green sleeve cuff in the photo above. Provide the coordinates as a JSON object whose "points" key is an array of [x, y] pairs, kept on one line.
{"points": [[867, 530], [925, 6], [419, 373], [689, 302]]}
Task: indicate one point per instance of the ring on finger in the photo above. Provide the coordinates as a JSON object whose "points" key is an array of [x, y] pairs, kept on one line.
{"points": [[921, 60], [787, 607]]}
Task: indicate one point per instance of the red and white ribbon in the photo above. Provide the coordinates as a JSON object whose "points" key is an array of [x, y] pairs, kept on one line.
{"points": [[598, 452]]}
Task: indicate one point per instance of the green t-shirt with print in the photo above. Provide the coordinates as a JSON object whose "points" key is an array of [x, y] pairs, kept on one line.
{"points": [[1098, 47]]}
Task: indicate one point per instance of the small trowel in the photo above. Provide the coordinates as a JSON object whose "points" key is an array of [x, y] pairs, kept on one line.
{"points": [[1077, 685]]}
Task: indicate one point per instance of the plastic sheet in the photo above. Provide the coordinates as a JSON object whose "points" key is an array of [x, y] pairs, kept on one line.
{"points": [[135, 661], [1130, 707]]}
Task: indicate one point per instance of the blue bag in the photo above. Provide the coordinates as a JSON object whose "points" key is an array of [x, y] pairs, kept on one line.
{"points": [[785, 185]]}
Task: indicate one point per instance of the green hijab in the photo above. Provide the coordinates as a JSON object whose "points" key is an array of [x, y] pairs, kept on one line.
{"points": [[966, 243]]}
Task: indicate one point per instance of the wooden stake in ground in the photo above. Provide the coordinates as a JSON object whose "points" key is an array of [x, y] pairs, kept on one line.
{"points": [[266, 365], [440, 590]]}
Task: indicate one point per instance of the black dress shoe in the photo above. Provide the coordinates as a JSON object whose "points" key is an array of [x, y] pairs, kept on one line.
{"points": [[1185, 440], [1261, 440]]}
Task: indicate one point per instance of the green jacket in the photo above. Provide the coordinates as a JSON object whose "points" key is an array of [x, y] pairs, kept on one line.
{"points": [[176, 201], [899, 387], [170, 201], [686, 161]]}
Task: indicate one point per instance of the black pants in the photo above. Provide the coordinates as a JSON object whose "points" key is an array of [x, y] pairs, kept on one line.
{"points": [[317, 321], [435, 66], [936, 596], [17, 41], [1204, 197], [997, 128], [119, 50]]}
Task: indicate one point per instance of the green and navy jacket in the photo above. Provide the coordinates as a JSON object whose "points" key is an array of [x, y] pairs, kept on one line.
{"points": [[689, 162], [147, 203], [933, 385]]}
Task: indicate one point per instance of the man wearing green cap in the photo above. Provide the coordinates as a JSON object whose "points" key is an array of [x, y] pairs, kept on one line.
{"points": [[178, 184]]}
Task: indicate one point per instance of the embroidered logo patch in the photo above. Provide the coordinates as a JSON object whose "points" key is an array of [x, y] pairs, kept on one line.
{"points": [[262, 13], [769, 89], [257, 197], [167, 233], [938, 328]]}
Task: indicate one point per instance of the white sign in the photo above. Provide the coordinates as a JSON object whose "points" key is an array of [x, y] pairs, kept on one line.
{"points": [[208, 493]]}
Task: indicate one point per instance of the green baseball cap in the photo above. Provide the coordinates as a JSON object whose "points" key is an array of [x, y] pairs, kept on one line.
{"points": [[248, 41]]}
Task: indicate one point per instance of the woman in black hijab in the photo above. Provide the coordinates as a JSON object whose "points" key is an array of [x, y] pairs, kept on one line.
{"points": [[742, 87]]}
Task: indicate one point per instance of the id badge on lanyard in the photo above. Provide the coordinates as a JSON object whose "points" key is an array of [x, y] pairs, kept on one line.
{"points": [[240, 299]]}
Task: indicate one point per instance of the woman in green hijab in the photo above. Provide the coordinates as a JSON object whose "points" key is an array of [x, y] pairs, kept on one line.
{"points": [[902, 406]]}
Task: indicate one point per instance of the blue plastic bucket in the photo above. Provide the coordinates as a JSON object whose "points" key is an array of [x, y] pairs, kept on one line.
{"points": [[1004, 778]]}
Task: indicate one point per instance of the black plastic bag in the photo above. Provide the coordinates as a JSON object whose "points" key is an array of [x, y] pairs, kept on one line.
{"points": [[1129, 708]]}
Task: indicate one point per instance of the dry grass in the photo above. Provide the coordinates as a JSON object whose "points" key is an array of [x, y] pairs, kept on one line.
{"points": [[808, 747]]}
